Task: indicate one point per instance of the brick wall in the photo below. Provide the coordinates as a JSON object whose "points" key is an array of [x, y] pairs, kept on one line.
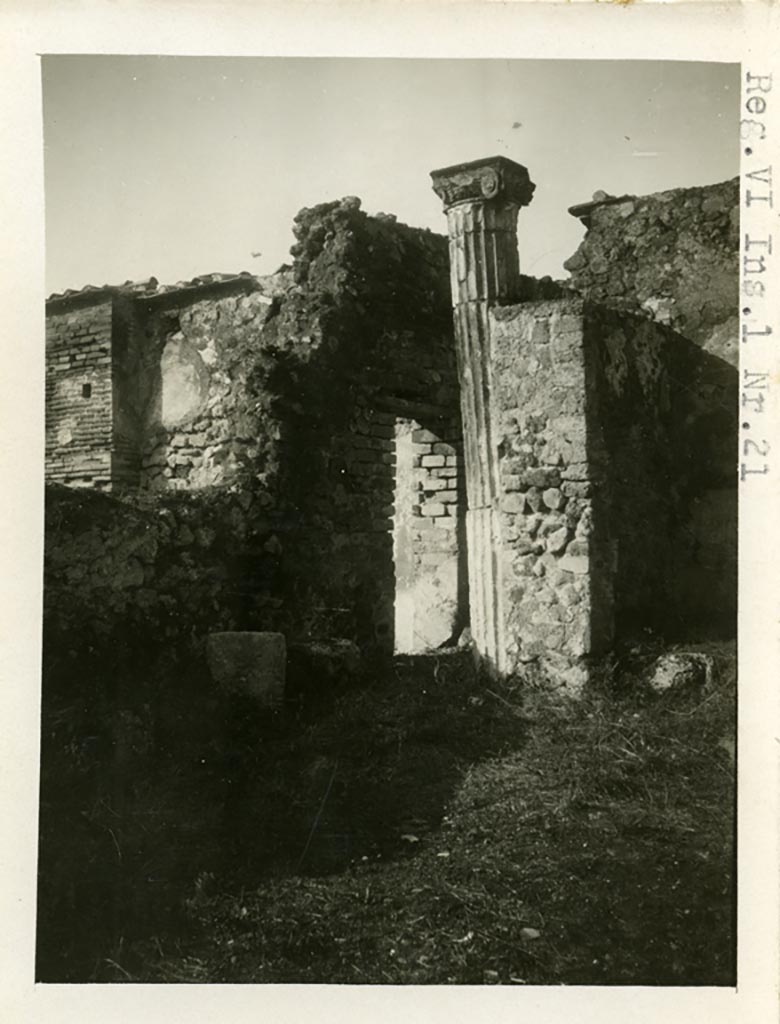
{"points": [[431, 593], [79, 394]]}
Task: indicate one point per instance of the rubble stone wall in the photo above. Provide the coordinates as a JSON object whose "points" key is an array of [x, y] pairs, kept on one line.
{"points": [[642, 424], [196, 351], [601, 479], [287, 392], [272, 413], [672, 256], [131, 578], [548, 478], [363, 340]]}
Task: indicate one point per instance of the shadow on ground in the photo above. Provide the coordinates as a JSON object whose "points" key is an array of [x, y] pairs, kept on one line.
{"points": [[425, 828], [141, 803]]}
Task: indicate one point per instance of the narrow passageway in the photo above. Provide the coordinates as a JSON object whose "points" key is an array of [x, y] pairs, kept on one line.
{"points": [[430, 596]]}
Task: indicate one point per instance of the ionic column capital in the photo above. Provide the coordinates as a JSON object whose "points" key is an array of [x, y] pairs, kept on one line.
{"points": [[493, 178]]}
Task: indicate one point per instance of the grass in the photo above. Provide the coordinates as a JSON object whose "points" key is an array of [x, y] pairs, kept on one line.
{"points": [[430, 828]]}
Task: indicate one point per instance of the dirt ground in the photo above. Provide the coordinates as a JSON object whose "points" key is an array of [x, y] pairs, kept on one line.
{"points": [[425, 827]]}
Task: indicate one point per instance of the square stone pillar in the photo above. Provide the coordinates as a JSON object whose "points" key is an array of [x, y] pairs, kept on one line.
{"points": [[482, 200]]}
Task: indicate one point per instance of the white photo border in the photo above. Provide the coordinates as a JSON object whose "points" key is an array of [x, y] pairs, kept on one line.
{"points": [[745, 33]]}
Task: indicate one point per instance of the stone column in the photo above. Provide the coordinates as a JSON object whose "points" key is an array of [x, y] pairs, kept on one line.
{"points": [[482, 200]]}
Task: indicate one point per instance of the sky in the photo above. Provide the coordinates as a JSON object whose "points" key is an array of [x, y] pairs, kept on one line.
{"points": [[177, 166]]}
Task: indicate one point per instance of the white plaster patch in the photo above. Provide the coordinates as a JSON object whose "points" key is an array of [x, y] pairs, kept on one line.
{"points": [[185, 382]]}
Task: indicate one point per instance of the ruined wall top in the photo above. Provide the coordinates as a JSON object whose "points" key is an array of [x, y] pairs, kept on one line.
{"points": [[671, 256]]}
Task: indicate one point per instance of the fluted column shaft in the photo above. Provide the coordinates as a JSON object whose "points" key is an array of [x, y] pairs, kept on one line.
{"points": [[482, 200]]}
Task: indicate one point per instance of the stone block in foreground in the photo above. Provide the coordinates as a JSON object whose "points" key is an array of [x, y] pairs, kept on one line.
{"points": [[680, 671], [252, 664]]}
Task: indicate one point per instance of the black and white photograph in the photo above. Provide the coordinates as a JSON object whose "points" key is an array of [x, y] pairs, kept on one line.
{"points": [[390, 593], [396, 419]]}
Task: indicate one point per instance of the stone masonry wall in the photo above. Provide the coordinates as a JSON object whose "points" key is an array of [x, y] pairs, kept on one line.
{"points": [[129, 578], [600, 473], [292, 391], [672, 256], [288, 392], [79, 397], [364, 340], [196, 351], [547, 481], [641, 414]]}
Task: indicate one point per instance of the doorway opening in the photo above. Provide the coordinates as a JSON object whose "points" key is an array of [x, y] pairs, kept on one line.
{"points": [[427, 535]]}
